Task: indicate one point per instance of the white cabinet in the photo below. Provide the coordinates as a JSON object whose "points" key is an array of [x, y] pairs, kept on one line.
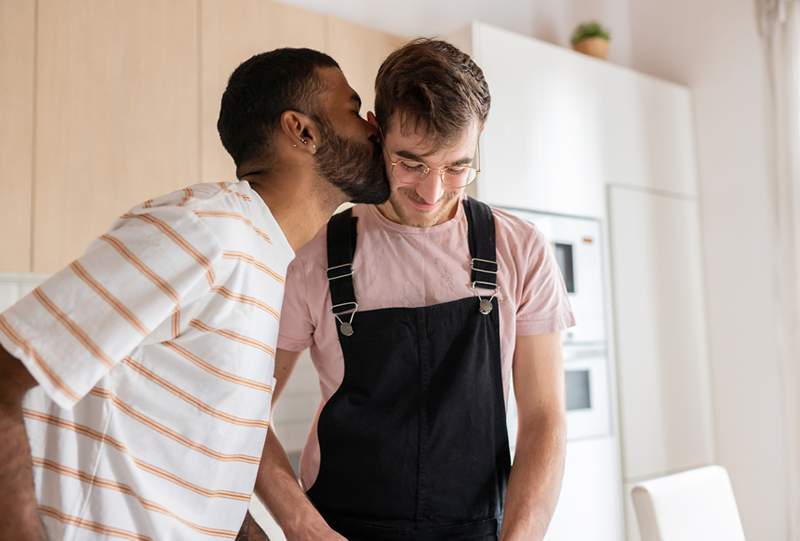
{"points": [[663, 370], [586, 511], [563, 124]]}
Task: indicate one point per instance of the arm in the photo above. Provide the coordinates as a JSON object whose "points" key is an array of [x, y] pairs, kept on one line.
{"points": [[20, 517], [277, 485], [538, 467]]}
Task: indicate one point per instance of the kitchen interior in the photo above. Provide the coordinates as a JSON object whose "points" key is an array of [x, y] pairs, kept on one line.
{"points": [[662, 167]]}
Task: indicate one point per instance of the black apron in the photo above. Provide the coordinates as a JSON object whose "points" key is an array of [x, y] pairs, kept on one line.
{"points": [[414, 443]]}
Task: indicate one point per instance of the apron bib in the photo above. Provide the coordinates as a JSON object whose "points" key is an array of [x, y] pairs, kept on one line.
{"points": [[414, 442]]}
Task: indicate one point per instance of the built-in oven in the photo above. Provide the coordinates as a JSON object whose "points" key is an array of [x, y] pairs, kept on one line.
{"points": [[577, 248]]}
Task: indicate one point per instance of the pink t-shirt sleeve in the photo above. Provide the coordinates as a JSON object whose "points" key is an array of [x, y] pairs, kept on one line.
{"points": [[543, 305], [296, 327]]}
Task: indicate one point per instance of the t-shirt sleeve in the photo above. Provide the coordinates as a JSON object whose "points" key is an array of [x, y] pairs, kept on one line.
{"points": [[543, 305], [296, 327], [75, 327]]}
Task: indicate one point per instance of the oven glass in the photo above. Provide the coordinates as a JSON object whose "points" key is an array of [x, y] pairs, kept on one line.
{"points": [[564, 257], [579, 396]]}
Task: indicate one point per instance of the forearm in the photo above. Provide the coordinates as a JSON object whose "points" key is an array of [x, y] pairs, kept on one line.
{"points": [[20, 517], [278, 488], [535, 480]]}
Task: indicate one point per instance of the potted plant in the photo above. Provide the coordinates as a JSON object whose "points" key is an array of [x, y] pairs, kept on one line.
{"points": [[591, 38]]}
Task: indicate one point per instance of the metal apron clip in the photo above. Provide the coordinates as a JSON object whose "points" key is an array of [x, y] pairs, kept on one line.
{"points": [[489, 267]]}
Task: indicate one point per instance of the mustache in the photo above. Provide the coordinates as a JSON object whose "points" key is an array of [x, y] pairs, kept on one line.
{"points": [[412, 194]]}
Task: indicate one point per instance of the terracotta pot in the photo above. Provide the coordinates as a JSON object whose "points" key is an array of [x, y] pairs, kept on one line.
{"points": [[596, 47]]}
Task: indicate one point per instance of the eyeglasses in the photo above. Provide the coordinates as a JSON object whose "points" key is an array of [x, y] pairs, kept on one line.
{"points": [[453, 177]]}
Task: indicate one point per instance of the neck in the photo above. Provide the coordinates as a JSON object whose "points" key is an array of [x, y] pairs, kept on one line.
{"points": [[300, 201]]}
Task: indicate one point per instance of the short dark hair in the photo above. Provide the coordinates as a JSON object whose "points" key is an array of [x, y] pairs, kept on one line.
{"points": [[260, 90], [433, 85]]}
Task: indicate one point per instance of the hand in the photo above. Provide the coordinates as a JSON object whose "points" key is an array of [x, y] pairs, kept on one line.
{"points": [[251, 531]]}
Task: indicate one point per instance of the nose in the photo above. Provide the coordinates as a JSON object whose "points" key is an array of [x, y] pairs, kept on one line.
{"points": [[430, 189]]}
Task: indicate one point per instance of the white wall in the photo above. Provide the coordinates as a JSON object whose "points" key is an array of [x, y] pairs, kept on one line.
{"points": [[711, 46], [548, 20]]}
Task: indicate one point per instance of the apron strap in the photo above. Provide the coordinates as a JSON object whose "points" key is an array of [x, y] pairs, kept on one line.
{"points": [[341, 250], [482, 248]]}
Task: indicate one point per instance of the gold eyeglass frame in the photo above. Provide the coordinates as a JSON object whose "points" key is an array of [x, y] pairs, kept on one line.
{"points": [[441, 170]]}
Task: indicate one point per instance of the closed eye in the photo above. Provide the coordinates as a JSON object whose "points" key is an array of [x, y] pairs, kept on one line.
{"points": [[412, 167]]}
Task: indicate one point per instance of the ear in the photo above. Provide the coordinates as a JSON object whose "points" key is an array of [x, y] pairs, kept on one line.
{"points": [[372, 120], [300, 130]]}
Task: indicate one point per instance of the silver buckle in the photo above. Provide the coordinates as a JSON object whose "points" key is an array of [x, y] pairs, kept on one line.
{"points": [[345, 275], [478, 259]]}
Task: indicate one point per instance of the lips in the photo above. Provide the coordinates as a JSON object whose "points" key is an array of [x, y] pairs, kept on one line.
{"points": [[422, 206]]}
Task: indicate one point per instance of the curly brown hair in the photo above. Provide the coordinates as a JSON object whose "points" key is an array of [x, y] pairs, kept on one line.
{"points": [[432, 86]]}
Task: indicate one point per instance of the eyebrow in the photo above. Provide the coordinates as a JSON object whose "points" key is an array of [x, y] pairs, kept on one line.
{"points": [[411, 156]]}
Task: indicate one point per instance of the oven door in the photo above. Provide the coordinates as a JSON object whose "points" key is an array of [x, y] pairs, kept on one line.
{"points": [[587, 392], [587, 395]]}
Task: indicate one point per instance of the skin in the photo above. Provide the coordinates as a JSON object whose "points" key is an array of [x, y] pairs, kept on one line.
{"points": [[536, 474], [298, 197], [301, 201]]}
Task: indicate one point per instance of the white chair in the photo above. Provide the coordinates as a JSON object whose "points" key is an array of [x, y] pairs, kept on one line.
{"points": [[695, 505]]}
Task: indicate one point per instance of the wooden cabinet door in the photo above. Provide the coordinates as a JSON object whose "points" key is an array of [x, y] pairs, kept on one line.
{"points": [[17, 31], [360, 51], [231, 33], [116, 115], [662, 362]]}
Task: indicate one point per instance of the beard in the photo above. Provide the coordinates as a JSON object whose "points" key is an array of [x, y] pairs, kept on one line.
{"points": [[358, 170]]}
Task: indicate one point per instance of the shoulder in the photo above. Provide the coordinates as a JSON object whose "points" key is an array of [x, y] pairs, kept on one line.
{"points": [[517, 234]]}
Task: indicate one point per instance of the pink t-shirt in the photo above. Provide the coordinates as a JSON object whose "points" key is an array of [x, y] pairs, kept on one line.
{"points": [[406, 267]]}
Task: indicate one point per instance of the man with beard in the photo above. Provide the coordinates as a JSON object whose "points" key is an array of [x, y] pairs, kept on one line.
{"points": [[417, 313], [149, 359]]}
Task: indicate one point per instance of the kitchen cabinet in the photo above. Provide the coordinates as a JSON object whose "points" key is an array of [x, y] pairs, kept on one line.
{"points": [[663, 369], [232, 33], [562, 125], [360, 51], [116, 115], [17, 24]]}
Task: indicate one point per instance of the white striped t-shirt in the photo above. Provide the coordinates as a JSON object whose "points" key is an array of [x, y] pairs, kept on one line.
{"points": [[154, 353]]}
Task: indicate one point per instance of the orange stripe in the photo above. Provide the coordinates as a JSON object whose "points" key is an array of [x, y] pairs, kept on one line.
{"points": [[228, 294], [161, 429], [253, 261], [225, 188], [106, 295], [205, 365], [80, 429], [199, 404], [23, 344], [144, 269], [197, 324], [176, 323], [91, 525], [73, 328], [93, 480], [228, 494], [179, 240], [235, 215], [187, 196], [90, 433]]}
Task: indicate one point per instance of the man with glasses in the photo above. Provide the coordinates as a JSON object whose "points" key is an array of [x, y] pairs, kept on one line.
{"points": [[417, 312]]}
